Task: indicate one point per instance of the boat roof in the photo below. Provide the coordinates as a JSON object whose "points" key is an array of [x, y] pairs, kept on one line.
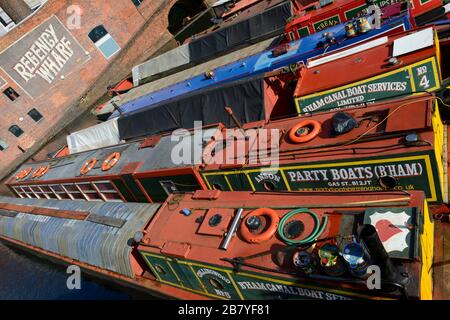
{"points": [[379, 132], [298, 51], [134, 155], [195, 238], [365, 60]]}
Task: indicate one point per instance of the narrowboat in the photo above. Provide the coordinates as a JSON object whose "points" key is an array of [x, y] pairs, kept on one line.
{"points": [[183, 83], [316, 16], [240, 245], [397, 145], [384, 69], [141, 171], [240, 28], [362, 149]]}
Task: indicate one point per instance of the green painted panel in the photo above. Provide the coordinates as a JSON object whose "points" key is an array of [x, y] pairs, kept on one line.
{"points": [[161, 267], [326, 23], [218, 182], [155, 186], [395, 84], [411, 171], [268, 181], [216, 282], [304, 32], [255, 288]]}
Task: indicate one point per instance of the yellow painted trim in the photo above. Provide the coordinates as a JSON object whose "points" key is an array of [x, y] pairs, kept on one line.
{"points": [[273, 280], [250, 181], [230, 275], [285, 180], [427, 252], [425, 157], [177, 285], [228, 183], [294, 284], [196, 276]]}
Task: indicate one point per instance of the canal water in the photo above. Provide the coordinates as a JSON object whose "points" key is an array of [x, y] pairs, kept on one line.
{"points": [[25, 277]]}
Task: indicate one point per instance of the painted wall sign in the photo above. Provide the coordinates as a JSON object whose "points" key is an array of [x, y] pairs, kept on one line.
{"points": [[414, 172], [37, 61], [419, 77]]}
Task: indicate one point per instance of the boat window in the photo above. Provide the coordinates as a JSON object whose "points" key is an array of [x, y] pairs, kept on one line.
{"points": [[20, 192], [107, 191], [104, 42], [73, 192], [38, 192], [35, 115], [11, 94], [59, 192], [48, 192], [137, 3], [3, 145], [16, 130], [28, 192]]}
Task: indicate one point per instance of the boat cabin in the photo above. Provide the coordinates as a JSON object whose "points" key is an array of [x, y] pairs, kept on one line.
{"points": [[387, 146], [241, 245], [386, 68]]}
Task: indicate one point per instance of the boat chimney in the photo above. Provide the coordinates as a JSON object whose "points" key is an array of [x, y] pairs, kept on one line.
{"points": [[378, 254]]}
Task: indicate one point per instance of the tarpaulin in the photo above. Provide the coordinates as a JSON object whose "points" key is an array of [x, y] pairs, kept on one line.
{"points": [[261, 26], [98, 136], [267, 24], [245, 97]]}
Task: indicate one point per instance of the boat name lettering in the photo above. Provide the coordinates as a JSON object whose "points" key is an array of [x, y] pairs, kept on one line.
{"points": [[355, 94], [264, 176], [202, 272], [280, 288], [364, 173]]}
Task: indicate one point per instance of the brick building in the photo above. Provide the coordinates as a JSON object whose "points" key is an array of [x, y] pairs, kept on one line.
{"points": [[57, 62]]}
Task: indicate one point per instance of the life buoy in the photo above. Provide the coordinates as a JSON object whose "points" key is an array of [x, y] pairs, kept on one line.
{"points": [[296, 138], [88, 165], [24, 173], [266, 235], [40, 172], [111, 161]]}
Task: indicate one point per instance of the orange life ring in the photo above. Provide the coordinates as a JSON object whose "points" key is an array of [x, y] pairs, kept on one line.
{"points": [[266, 235], [40, 171], [88, 165], [111, 161], [293, 134], [23, 173]]}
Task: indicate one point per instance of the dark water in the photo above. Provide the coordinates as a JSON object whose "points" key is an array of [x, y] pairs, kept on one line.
{"points": [[23, 276]]}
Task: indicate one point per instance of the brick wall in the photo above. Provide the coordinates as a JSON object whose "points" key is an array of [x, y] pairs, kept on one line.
{"points": [[140, 32]]}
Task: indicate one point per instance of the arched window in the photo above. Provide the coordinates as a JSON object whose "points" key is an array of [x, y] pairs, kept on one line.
{"points": [[103, 41], [16, 130], [3, 145]]}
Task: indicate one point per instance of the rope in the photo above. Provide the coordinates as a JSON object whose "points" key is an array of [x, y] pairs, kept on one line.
{"points": [[318, 228]]}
